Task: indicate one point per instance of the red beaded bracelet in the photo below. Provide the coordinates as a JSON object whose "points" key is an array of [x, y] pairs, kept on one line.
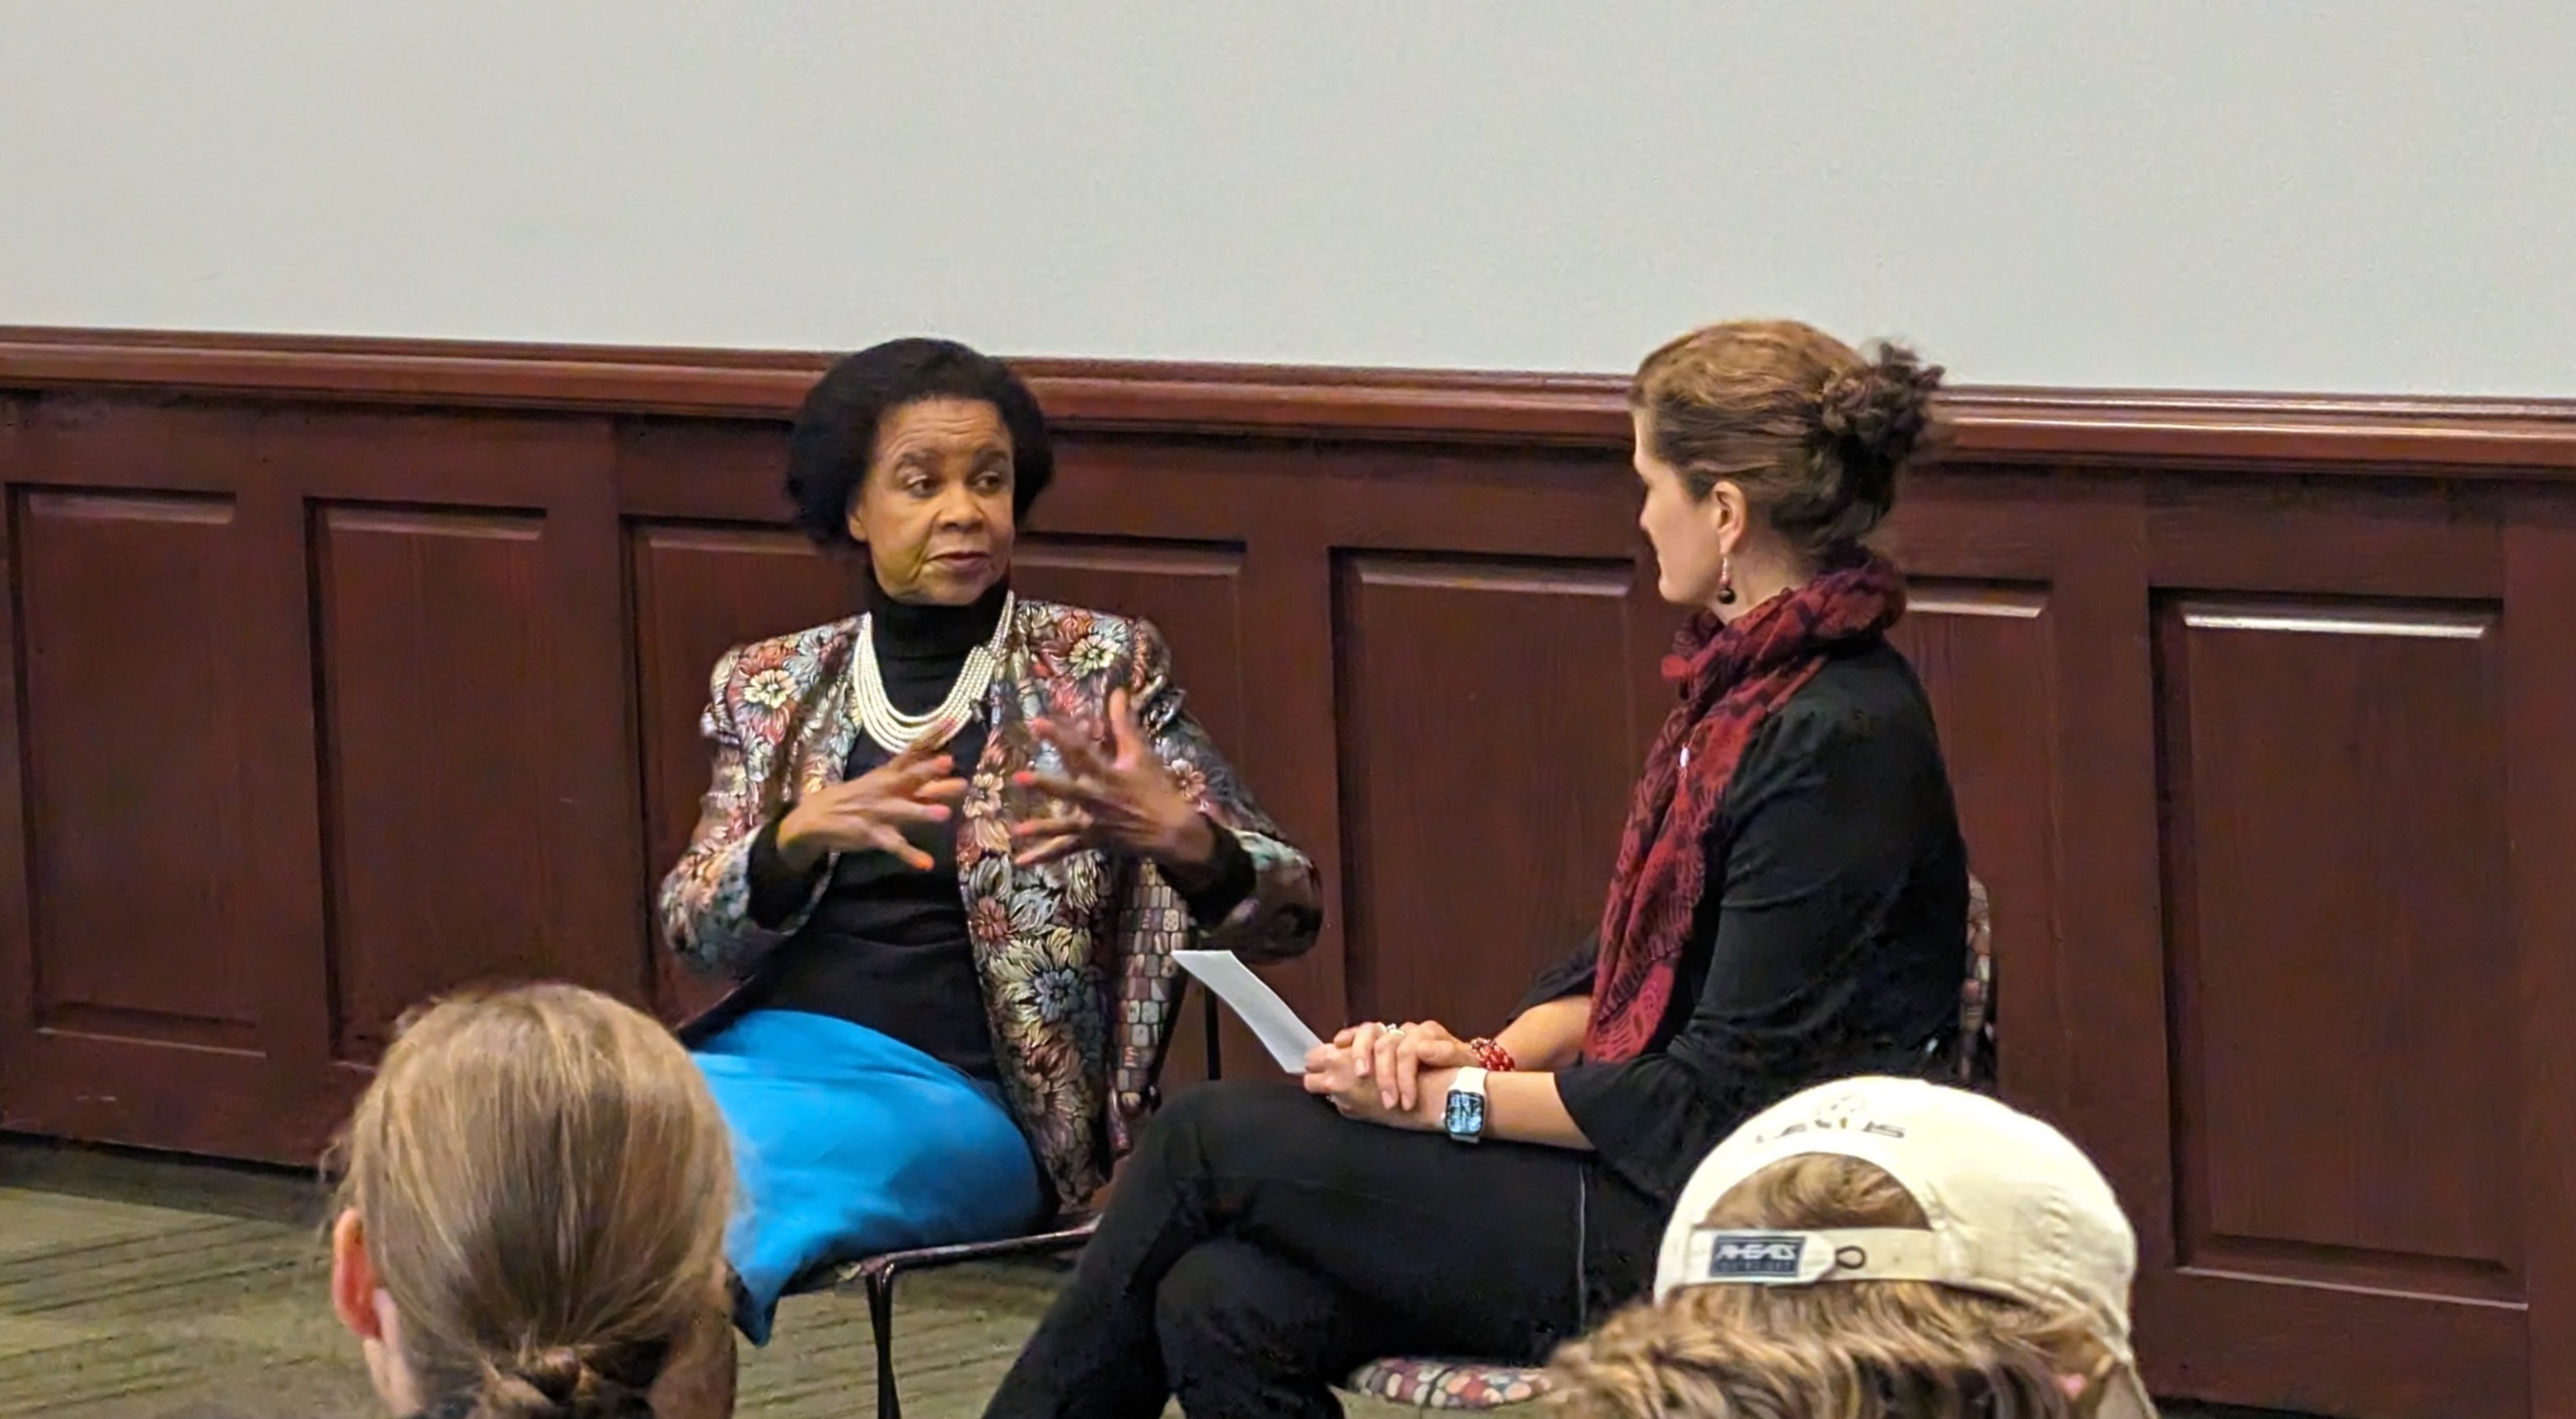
{"points": [[1495, 1058]]}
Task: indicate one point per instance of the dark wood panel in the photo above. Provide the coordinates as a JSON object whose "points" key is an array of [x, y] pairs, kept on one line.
{"points": [[2305, 537], [2540, 807], [2354, 1352], [1467, 867], [729, 471], [136, 726], [148, 957], [700, 591], [2359, 746], [1983, 653], [437, 665]]}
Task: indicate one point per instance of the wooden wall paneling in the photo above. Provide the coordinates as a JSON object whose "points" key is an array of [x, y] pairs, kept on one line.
{"points": [[2338, 1271], [144, 957], [1487, 751], [1983, 651], [432, 653], [2268, 433], [1482, 502], [2014, 663], [2108, 1006], [720, 471], [2239, 1340], [2540, 811], [1287, 752], [2082, 1022], [1449, 543], [2309, 736], [479, 822], [2393, 538], [604, 924], [18, 1011], [2308, 743]]}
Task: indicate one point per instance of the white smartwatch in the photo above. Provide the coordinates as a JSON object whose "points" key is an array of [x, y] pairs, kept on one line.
{"points": [[1465, 1116]]}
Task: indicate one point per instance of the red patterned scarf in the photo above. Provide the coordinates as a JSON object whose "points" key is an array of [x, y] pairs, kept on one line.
{"points": [[1731, 677]]}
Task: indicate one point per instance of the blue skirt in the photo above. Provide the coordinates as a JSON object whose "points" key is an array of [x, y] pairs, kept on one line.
{"points": [[848, 1143]]}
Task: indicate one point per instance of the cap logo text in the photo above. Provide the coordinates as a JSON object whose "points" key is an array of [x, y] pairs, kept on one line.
{"points": [[1755, 1255]]}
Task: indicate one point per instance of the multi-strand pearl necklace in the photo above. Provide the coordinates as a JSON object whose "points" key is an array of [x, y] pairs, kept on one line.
{"points": [[893, 728]]}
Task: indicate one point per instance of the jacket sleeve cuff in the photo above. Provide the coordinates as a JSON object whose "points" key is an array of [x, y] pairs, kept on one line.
{"points": [[1230, 879], [777, 889]]}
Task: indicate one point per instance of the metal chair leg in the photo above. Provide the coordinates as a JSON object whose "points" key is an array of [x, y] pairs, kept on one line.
{"points": [[1210, 1021], [880, 1288]]}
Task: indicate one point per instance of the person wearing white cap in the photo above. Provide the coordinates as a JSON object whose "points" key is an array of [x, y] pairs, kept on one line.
{"points": [[1878, 1248]]}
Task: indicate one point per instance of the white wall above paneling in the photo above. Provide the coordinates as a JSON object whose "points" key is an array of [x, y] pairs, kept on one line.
{"points": [[2346, 195]]}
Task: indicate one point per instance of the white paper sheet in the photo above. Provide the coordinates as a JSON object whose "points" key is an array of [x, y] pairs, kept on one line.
{"points": [[1272, 1020]]}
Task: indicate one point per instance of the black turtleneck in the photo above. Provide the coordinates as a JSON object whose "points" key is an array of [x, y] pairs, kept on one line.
{"points": [[887, 945]]}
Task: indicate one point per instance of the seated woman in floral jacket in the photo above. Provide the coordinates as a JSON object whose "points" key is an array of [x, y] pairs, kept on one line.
{"points": [[951, 844]]}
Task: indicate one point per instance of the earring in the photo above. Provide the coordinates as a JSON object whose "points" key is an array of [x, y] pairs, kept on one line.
{"points": [[1725, 579]]}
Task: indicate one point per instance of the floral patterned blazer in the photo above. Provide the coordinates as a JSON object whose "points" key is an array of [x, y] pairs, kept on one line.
{"points": [[1075, 955]]}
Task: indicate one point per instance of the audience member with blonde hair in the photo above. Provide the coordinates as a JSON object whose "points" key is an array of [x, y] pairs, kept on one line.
{"points": [[1878, 1249], [534, 1203]]}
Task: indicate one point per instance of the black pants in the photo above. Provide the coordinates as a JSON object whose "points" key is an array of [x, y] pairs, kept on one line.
{"points": [[1259, 1246]]}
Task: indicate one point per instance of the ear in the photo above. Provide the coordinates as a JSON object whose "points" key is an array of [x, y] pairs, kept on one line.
{"points": [[2084, 1386], [1729, 513], [856, 521], [353, 1279]]}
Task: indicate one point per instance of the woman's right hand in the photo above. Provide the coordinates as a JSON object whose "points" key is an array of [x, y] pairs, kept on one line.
{"points": [[1396, 1055], [872, 810]]}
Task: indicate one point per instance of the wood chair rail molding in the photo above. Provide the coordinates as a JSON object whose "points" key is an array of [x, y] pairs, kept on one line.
{"points": [[2001, 424]]}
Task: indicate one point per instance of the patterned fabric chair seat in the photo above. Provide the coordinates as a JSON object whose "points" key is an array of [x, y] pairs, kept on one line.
{"points": [[1447, 1384], [1481, 1384]]}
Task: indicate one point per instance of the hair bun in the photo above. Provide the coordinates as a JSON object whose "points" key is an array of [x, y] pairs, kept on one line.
{"points": [[558, 1382], [1884, 407]]}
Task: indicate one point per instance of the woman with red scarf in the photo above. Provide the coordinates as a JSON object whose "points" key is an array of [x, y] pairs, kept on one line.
{"points": [[1788, 907]]}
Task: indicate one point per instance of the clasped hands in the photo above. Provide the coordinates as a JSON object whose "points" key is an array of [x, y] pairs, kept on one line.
{"points": [[1118, 797], [1394, 1075]]}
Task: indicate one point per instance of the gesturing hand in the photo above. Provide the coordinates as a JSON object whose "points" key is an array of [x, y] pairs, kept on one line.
{"points": [[872, 810], [1396, 1055], [1124, 799]]}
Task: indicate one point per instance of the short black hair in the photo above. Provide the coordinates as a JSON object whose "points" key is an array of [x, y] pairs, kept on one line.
{"points": [[836, 427]]}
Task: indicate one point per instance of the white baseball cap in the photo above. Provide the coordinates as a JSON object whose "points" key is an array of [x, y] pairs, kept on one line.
{"points": [[2017, 1211]]}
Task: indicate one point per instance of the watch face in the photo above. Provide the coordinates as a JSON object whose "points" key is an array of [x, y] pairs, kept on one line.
{"points": [[1466, 1114]]}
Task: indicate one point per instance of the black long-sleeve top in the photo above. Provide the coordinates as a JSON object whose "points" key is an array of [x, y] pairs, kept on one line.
{"points": [[1831, 941], [887, 946]]}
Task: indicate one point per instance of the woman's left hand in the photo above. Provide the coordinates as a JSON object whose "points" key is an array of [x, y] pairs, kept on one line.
{"points": [[1333, 1072], [1124, 800]]}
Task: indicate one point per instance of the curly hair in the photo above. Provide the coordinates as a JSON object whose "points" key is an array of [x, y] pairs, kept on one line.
{"points": [[1814, 431], [835, 437], [1851, 1350]]}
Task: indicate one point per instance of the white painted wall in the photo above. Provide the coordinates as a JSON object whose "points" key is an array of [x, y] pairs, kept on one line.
{"points": [[2331, 195]]}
